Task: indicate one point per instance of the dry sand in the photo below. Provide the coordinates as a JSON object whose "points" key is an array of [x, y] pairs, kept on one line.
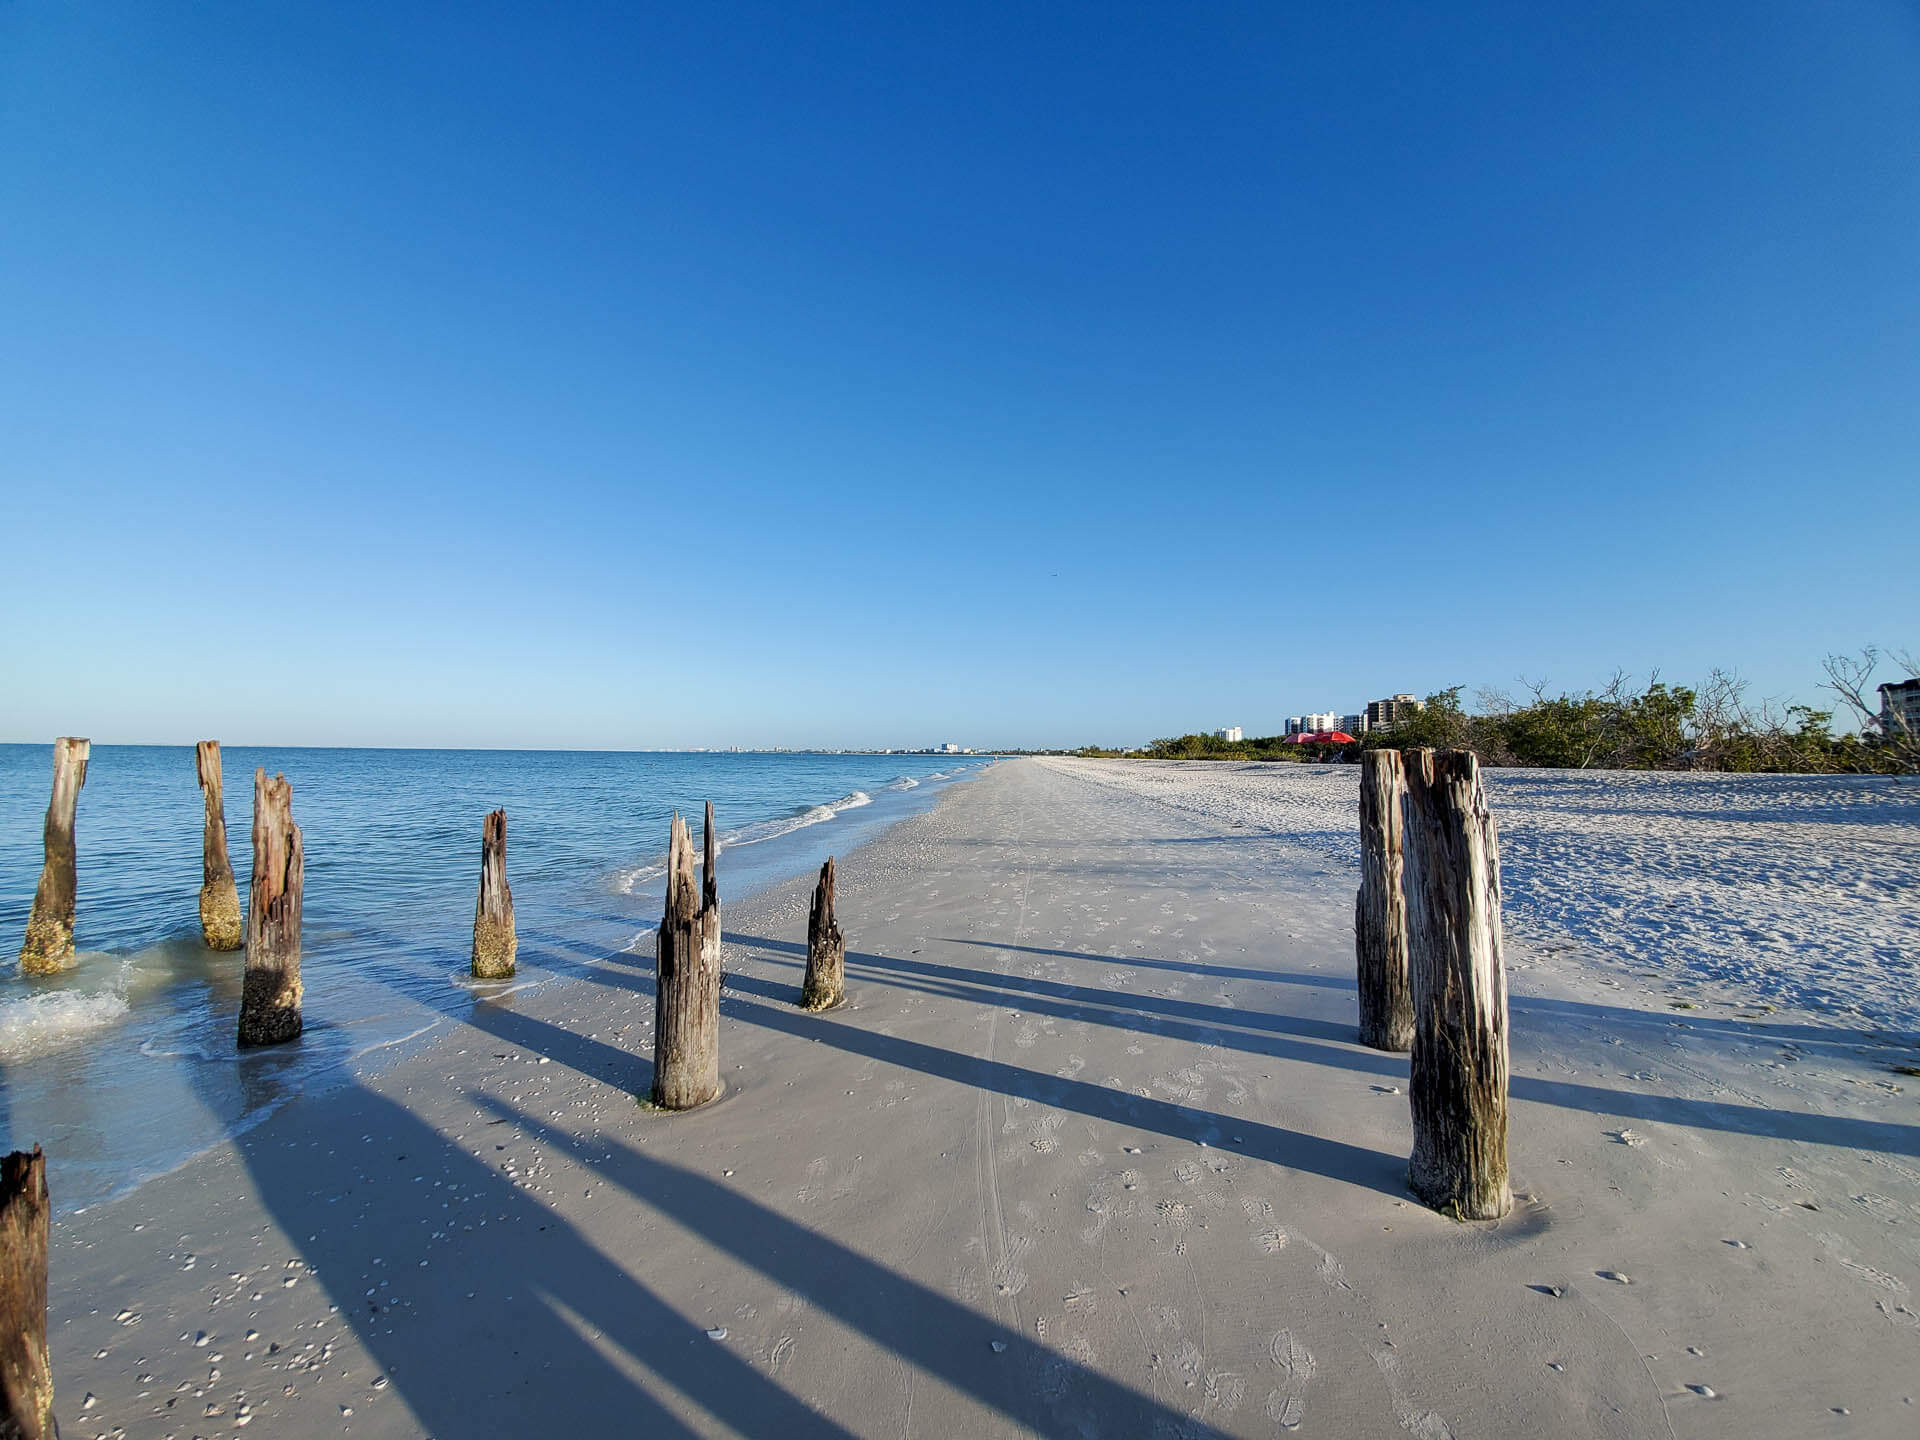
{"points": [[1090, 1152]]}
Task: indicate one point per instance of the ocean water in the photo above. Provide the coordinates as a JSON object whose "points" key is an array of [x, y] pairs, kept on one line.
{"points": [[125, 1065]]}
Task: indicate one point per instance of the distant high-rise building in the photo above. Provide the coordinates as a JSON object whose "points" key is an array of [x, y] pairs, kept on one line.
{"points": [[1312, 724], [1231, 733], [1900, 709], [1385, 714], [1353, 724]]}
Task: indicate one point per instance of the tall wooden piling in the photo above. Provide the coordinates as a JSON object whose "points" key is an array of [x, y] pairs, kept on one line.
{"points": [[686, 1003], [48, 945], [219, 900], [26, 1370], [1380, 909], [494, 943], [1459, 1067], [826, 982], [270, 997]]}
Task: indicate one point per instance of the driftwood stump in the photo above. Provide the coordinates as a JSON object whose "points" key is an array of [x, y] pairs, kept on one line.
{"points": [[686, 1001], [26, 1371], [48, 945], [494, 943], [219, 900], [1459, 1069], [270, 998], [826, 982], [1380, 909]]}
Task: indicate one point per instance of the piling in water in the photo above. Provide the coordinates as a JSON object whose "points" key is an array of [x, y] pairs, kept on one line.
{"points": [[494, 943], [270, 997], [219, 899], [48, 946]]}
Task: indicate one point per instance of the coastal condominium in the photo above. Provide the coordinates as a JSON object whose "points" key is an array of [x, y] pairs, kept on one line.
{"points": [[1900, 708], [1231, 733], [1385, 714]]}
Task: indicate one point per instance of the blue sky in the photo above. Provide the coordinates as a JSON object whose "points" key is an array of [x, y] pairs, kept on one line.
{"points": [[809, 374]]}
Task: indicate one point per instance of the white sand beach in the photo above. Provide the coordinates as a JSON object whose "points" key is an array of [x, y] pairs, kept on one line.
{"points": [[1092, 1151]]}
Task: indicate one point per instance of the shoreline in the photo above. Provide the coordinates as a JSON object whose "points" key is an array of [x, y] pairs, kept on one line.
{"points": [[1089, 1150], [124, 1063]]}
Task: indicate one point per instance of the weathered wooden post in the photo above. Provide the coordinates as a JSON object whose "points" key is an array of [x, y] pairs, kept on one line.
{"points": [[494, 943], [219, 900], [1380, 909], [48, 945], [1459, 1068], [709, 875], [26, 1370], [686, 1000], [826, 982], [270, 996]]}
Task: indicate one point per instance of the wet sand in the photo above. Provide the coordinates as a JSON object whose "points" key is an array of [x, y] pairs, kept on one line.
{"points": [[1091, 1151]]}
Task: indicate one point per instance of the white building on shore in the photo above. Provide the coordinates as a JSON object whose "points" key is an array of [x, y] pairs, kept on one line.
{"points": [[1231, 733]]}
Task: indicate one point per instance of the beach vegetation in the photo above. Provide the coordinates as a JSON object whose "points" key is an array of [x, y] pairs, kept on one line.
{"points": [[1658, 725]]}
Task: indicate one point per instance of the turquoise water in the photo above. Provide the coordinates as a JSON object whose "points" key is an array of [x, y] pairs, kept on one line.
{"points": [[126, 1065]]}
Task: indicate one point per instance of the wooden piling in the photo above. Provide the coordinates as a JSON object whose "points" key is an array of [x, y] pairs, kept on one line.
{"points": [[709, 874], [1380, 909], [1458, 1087], [270, 997], [826, 982], [48, 946], [686, 1002], [494, 943], [26, 1370], [219, 900]]}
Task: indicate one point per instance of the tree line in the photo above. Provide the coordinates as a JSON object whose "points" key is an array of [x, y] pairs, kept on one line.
{"points": [[1625, 726]]}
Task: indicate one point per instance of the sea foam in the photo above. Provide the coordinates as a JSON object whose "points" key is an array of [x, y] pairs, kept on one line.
{"points": [[35, 1024]]}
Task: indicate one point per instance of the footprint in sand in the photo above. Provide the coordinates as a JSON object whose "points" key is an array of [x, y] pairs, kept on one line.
{"points": [[1287, 1402], [1224, 1391], [782, 1352], [816, 1172], [1187, 1359], [1007, 1275], [1176, 1214]]}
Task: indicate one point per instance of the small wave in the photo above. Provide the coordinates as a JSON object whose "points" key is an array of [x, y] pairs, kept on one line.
{"points": [[628, 882], [492, 989], [902, 782], [35, 1024]]}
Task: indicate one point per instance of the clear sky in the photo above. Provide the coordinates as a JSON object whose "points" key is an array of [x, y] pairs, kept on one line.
{"points": [[826, 374]]}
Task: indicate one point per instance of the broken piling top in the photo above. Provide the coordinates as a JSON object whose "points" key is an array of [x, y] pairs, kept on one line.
{"points": [[270, 998], [686, 1005], [48, 944], [825, 983], [220, 922], [26, 1369], [494, 942], [1458, 1074]]}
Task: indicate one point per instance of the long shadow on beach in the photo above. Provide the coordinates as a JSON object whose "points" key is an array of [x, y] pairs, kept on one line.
{"points": [[1286, 1038], [511, 1359], [1608, 1014], [1334, 1159], [1004, 1369]]}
